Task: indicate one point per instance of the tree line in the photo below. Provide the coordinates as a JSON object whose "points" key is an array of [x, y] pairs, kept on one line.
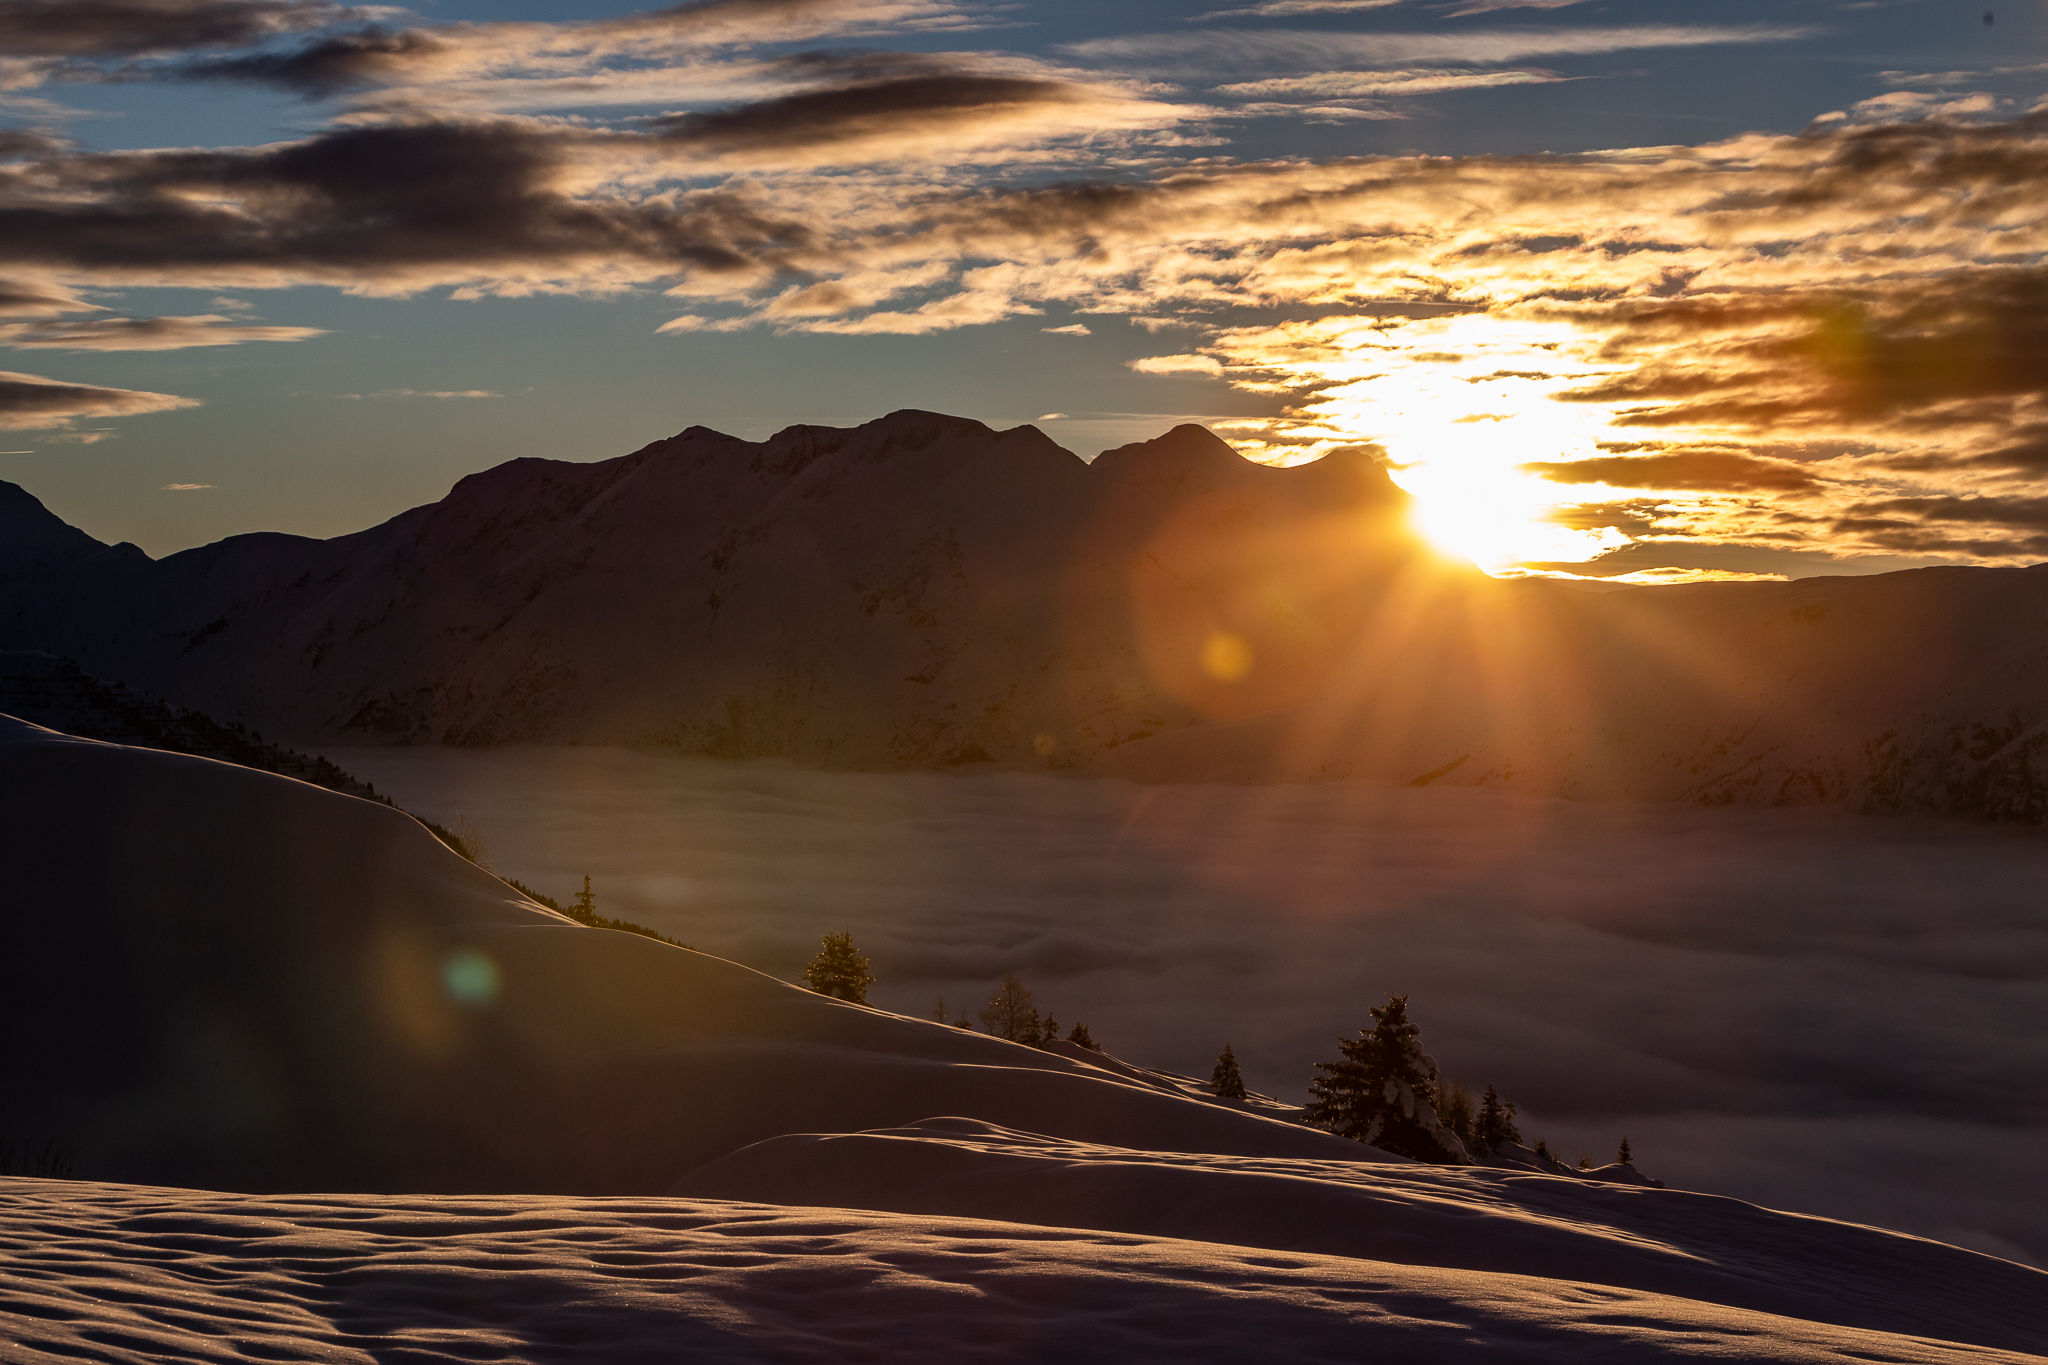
{"points": [[1382, 1090]]}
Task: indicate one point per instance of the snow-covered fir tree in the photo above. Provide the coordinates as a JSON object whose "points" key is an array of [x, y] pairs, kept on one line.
{"points": [[1227, 1081], [839, 970], [1382, 1091], [1495, 1126]]}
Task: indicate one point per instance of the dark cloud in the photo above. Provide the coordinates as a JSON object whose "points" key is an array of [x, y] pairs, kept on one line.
{"points": [[144, 334], [883, 110], [108, 28], [394, 204], [30, 401], [2023, 512], [1712, 470], [347, 61], [23, 298]]}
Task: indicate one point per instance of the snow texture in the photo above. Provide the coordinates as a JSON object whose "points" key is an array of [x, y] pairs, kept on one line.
{"points": [[134, 1274]]}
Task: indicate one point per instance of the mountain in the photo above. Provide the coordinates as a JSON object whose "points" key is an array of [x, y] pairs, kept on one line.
{"points": [[922, 591], [550, 1142], [911, 592]]}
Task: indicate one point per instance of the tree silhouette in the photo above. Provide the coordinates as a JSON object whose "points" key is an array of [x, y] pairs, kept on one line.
{"points": [[1227, 1081], [1010, 1013], [584, 907], [1623, 1156], [1382, 1091], [1495, 1126], [1079, 1038], [839, 970]]}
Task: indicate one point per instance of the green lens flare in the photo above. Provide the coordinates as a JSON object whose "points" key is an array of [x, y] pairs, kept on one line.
{"points": [[470, 977]]}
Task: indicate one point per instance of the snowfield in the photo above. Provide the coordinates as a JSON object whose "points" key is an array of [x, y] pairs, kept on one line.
{"points": [[125, 1273], [559, 1143]]}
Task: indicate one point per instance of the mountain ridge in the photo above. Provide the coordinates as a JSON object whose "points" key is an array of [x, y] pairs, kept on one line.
{"points": [[924, 590]]}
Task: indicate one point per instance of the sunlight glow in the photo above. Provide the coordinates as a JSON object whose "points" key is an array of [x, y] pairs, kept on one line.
{"points": [[1459, 404]]}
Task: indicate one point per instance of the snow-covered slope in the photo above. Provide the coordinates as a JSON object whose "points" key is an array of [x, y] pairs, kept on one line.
{"points": [[220, 977], [1692, 1246], [121, 1273], [224, 978], [130, 1274]]}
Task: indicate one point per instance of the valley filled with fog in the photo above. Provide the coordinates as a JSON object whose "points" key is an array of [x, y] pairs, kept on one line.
{"points": [[1816, 1011]]}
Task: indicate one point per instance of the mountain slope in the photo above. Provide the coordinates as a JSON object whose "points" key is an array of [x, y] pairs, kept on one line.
{"points": [[922, 591], [904, 593]]}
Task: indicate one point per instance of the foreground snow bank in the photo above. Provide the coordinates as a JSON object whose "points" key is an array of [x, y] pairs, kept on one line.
{"points": [[1694, 1246], [127, 1273]]}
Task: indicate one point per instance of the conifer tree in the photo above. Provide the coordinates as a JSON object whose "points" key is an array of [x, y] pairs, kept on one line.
{"points": [[1079, 1038], [839, 970], [1623, 1155], [1227, 1081], [1010, 1013], [1495, 1126], [1455, 1111], [584, 907], [1382, 1091]]}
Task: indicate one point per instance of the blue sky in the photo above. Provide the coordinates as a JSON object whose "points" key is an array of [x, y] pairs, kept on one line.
{"points": [[314, 263]]}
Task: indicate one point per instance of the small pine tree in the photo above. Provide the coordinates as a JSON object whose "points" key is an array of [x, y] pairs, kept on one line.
{"points": [[1623, 1155], [839, 970], [1010, 1013], [1495, 1126], [584, 907], [1079, 1038], [1455, 1111], [939, 1009], [1227, 1081], [1382, 1091]]}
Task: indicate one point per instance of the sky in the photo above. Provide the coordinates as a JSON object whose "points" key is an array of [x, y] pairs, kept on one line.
{"points": [[1646, 289]]}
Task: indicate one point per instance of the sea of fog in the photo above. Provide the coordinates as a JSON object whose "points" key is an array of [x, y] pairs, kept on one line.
{"points": [[1816, 1011]]}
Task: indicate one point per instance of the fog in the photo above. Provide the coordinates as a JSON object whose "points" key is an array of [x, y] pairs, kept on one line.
{"points": [[1821, 1012]]}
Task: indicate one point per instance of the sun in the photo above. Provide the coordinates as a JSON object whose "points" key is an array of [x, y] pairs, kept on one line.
{"points": [[1462, 406]]}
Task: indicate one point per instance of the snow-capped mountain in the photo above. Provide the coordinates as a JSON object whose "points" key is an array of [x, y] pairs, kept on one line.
{"points": [[923, 590]]}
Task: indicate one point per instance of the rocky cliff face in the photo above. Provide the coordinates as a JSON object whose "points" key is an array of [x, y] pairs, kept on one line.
{"points": [[922, 591]]}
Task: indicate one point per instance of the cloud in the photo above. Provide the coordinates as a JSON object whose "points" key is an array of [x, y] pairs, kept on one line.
{"points": [[183, 487], [1177, 364], [33, 298], [1303, 49], [1491, 6], [514, 53], [145, 334], [1720, 471], [1073, 330], [1287, 9], [29, 401], [1359, 84], [98, 28], [430, 393]]}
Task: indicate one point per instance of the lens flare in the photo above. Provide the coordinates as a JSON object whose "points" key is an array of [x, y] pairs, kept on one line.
{"points": [[470, 978]]}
